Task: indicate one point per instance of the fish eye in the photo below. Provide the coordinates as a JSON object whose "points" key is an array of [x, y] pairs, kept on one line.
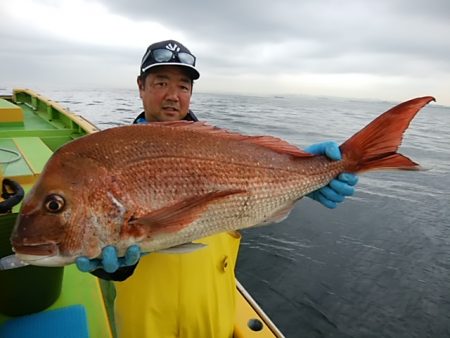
{"points": [[54, 203]]}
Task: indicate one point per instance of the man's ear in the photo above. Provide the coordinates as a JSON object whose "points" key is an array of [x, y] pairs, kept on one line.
{"points": [[140, 82]]}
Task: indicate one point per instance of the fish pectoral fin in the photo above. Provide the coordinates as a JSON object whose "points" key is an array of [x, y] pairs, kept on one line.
{"points": [[183, 248], [175, 217]]}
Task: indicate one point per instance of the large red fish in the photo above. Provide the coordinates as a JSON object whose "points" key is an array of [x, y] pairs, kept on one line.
{"points": [[164, 184]]}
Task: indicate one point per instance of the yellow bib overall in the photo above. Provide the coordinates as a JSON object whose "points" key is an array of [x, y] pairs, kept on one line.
{"points": [[189, 295]]}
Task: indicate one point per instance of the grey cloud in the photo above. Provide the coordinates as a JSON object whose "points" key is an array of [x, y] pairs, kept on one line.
{"points": [[302, 33], [391, 38]]}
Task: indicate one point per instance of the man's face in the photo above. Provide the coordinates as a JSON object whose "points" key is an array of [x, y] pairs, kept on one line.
{"points": [[166, 93]]}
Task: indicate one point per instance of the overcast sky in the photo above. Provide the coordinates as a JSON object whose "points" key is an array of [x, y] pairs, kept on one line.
{"points": [[384, 49]]}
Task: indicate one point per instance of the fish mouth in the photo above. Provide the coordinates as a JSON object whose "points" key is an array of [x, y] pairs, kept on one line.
{"points": [[46, 249]]}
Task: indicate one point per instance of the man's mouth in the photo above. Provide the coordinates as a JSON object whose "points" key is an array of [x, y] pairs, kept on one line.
{"points": [[170, 108]]}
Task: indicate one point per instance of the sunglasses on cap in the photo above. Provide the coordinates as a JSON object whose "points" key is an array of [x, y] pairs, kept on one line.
{"points": [[165, 55]]}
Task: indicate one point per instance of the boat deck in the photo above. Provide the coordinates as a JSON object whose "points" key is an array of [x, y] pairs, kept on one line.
{"points": [[31, 129]]}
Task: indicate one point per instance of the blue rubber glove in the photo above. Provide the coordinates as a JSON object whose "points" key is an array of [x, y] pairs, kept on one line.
{"points": [[340, 187], [109, 261]]}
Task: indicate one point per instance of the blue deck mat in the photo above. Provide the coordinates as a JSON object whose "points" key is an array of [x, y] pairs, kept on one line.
{"points": [[67, 322]]}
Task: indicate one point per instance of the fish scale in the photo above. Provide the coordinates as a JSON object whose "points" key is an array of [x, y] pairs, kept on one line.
{"points": [[260, 201]]}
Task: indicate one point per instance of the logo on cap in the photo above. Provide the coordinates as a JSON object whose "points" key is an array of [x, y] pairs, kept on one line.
{"points": [[173, 47]]}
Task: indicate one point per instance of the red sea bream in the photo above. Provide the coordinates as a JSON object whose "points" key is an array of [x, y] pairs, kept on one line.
{"points": [[161, 185]]}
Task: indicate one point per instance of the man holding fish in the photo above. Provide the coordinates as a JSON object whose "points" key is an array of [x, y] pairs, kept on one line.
{"points": [[184, 295]]}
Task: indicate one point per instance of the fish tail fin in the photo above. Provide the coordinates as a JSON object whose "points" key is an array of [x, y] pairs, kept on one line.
{"points": [[375, 146]]}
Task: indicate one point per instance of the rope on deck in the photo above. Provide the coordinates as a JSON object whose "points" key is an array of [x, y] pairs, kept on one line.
{"points": [[18, 156]]}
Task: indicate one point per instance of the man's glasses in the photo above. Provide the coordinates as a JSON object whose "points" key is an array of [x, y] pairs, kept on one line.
{"points": [[165, 55]]}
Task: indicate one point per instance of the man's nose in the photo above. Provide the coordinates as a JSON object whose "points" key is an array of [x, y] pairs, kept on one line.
{"points": [[172, 93]]}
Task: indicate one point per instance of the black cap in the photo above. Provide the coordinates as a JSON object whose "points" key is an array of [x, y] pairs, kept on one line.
{"points": [[169, 53]]}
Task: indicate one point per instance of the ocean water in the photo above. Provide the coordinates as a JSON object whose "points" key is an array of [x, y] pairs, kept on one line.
{"points": [[379, 264]]}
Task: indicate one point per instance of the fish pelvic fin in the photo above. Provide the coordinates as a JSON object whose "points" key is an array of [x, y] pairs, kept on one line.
{"points": [[375, 146], [174, 217]]}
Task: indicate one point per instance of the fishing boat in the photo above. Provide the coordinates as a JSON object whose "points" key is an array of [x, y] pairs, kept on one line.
{"points": [[62, 301]]}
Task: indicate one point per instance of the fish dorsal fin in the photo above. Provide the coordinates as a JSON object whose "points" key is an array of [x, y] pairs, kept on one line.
{"points": [[174, 217], [269, 142]]}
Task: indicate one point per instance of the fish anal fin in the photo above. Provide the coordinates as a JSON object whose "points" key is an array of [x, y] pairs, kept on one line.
{"points": [[279, 215], [183, 248], [174, 217]]}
